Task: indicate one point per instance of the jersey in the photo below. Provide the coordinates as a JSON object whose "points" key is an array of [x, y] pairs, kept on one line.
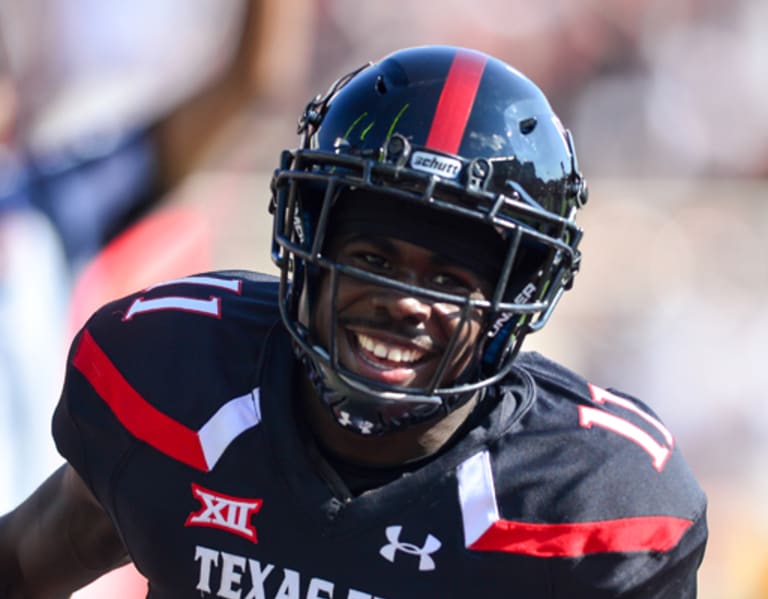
{"points": [[177, 412]]}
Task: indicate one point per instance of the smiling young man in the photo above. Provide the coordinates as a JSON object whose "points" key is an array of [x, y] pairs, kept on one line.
{"points": [[365, 424], [398, 338]]}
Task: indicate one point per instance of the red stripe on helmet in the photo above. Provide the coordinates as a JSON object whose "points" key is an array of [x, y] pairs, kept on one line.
{"points": [[456, 100]]}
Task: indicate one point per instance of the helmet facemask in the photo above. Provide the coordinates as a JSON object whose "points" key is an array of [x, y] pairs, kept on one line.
{"points": [[524, 261]]}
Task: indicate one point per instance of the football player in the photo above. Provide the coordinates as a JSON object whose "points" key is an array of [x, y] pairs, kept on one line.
{"points": [[365, 425]]}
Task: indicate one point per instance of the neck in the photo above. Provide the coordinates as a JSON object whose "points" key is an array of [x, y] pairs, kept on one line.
{"points": [[397, 448]]}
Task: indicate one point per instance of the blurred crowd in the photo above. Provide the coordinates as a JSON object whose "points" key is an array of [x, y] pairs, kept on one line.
{"points": [[136, 141]]}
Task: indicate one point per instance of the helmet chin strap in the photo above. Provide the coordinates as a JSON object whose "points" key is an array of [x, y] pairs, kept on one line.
{"points": [[370, 413]]}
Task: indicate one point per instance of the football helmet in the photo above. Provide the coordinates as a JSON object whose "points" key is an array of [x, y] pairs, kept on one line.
{"points": [[442, 133]]}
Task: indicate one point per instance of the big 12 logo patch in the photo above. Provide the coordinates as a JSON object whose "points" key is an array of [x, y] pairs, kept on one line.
{"points": [[232, 514]]}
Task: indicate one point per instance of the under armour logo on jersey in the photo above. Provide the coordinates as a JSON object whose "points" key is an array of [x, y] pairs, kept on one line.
{"points": [[232, 514], [430, 546]]}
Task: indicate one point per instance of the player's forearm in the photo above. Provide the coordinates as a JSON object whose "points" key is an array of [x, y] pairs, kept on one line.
{"points": [[30, 566], [9, 564], [35, 561], [53, 544]]}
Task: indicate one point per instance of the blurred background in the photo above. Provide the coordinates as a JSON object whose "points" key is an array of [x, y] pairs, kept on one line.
{"points": [[137, 140]]}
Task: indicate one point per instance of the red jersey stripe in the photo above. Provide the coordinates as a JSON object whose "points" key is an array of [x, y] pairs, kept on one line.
{"points": [[456, 100], [138, 416], [650, 533]]}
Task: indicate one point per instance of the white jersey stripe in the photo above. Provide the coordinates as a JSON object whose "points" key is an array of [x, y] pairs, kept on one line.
{"points": [[477, 496], [233, 418]]}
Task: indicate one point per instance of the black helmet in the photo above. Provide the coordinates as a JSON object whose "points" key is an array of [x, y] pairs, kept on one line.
{"points": [[444, 133]]}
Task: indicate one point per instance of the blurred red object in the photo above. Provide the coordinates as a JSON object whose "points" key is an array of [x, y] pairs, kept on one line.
{"points": [[123, 583], [170, 243]]}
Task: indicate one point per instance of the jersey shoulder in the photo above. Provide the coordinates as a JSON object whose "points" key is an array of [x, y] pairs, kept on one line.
{"points": [[593, 453], [160, 365], [197, 335]]}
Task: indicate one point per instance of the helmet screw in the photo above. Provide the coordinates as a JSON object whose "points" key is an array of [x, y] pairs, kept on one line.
{"points": [[479, 169]]}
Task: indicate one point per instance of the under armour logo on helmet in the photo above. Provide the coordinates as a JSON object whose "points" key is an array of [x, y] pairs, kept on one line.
{"points": [[431, 545], [345, 419]]}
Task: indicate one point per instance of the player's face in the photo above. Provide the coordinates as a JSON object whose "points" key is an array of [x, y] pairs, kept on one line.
{"points": [[395, 337]]}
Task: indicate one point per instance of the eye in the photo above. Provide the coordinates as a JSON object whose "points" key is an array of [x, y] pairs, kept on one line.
{"points": [[371, 261], [453, 282]]}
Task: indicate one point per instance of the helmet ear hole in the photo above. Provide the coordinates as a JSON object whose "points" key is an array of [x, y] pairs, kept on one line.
{"points": [[528, 125], [380, 86]]}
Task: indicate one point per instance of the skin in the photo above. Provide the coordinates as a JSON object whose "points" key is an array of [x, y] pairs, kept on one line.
{"points": [[57, 541], [400, 321]]}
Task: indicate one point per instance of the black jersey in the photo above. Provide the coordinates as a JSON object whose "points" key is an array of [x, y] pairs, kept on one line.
{"points": [[177, 413]]}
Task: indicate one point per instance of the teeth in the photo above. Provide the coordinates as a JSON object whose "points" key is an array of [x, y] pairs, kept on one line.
{"points": [[389, 352]]}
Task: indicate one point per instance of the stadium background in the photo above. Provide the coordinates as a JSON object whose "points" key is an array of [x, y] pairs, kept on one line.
{"points": [[136, 143]]}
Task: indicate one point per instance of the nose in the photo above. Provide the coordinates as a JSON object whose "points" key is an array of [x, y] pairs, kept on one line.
{"points": [[403, 307]]}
